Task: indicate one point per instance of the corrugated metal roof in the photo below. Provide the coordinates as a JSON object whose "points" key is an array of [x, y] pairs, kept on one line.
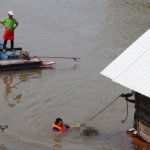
{"points": [[132, 68]]}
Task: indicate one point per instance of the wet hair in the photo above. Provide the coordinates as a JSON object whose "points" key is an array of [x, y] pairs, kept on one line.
{"points": [[58, 120]]}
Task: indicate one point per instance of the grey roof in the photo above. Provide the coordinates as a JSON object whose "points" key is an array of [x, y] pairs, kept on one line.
{"points": [[132, 68]]}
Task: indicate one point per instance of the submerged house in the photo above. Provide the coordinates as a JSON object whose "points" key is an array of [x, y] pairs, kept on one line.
{"points": [[131, 69]]}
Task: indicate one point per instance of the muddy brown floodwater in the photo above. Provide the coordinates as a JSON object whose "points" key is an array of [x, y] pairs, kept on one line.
{"points": [[97, 31]]}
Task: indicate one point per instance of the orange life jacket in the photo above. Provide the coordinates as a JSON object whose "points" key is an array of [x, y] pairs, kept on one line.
{"points": [[60, 129]]}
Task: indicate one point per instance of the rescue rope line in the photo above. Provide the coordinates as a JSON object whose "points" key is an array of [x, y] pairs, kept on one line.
{"points": [[103, 109], [123, 121]]}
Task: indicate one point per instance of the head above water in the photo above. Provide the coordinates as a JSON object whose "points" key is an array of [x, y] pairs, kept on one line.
{"points": [[58, 121], [10, 13]]}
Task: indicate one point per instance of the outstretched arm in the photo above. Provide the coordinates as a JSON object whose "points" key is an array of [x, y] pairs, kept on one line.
{"points": [[75, 126], [129, 100], [126, 96]]}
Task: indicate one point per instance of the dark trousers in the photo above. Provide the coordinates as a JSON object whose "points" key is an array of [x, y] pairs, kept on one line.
{"points": [[11, 44]]}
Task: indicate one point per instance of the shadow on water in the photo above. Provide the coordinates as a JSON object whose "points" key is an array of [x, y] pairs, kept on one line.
{"points": [[12, 80]]}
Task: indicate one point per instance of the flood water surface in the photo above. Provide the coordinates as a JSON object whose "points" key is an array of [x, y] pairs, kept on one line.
{"points": [[96, 31]]}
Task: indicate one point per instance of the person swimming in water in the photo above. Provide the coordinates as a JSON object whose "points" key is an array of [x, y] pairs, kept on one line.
{"points": [[59, 126]]}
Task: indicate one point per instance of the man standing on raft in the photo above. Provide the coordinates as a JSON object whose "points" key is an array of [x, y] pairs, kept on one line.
{"points": [[10, 25]]}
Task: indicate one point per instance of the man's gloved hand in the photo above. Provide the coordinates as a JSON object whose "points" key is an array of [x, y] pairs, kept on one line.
{"points": [[123, 95]]}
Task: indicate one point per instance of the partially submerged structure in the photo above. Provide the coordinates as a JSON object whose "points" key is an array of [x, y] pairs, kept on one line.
{"points": [[132, 70]]}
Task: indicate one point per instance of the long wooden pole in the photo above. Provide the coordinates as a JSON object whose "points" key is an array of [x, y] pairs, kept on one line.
{"points": [[74, 58]]}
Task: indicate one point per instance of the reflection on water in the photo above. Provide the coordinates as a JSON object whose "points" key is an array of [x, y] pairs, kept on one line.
{"points": [[2, 147], [9, 87], [57, 143], [75, 66], [11, 81], [7, 80]]}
